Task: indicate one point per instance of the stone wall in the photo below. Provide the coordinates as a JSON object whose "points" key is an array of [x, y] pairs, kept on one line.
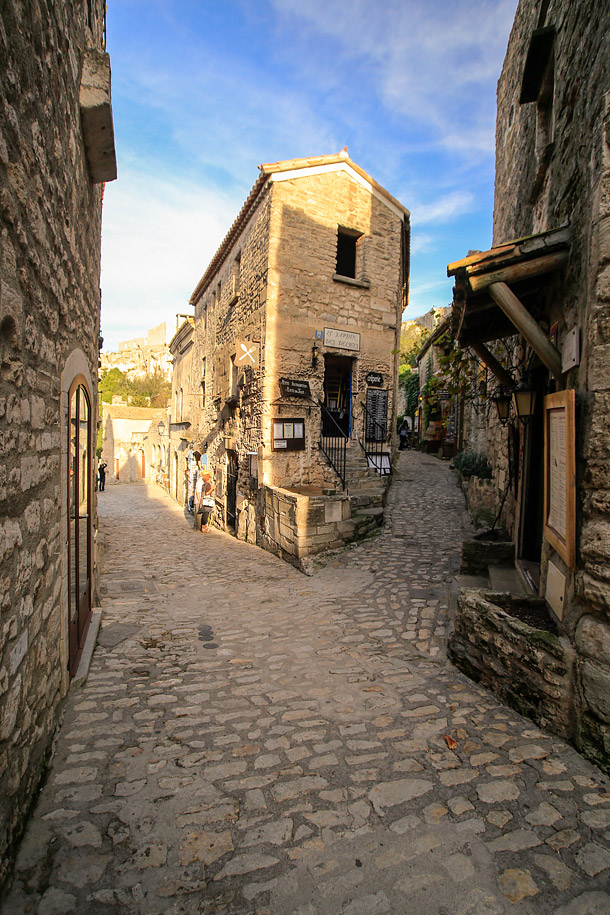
{"points": [[50, 218], [553, 167], [529, 668], [299, 525]]}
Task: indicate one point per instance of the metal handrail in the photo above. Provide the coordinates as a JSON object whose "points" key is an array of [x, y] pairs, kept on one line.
{"points": [[333, 446], [374, 436]]}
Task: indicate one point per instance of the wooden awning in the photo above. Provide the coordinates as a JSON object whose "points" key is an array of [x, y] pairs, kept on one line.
{"points": [[499, 292]]}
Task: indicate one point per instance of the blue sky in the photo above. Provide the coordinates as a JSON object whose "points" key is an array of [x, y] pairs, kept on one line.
{"points": [[203, 92]]}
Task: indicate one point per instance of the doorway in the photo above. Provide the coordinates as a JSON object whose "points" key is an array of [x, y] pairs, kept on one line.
{"points": [[338, 393], [232, 472], [79, 521]]}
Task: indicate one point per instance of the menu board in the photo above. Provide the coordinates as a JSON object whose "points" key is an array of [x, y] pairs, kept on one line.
{"points": [[377, 414], [559, 474], [288, 434]]}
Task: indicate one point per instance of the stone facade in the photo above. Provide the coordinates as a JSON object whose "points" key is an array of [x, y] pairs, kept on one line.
{"points": [[553, 169], [186, 404], [129, 435], [276, 303], [56, 146]]}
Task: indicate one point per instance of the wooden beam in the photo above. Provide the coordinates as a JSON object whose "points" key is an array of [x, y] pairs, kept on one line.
{"points": [[521, 271], [492, 364], [527, 326]]}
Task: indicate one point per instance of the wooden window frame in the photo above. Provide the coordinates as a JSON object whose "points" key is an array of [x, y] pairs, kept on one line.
{"points": [[564, 542]]}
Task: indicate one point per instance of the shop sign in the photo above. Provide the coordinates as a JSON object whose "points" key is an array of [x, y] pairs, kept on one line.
{"points": [[294, 387], [246, 354], [374, 379], [341, 339]]}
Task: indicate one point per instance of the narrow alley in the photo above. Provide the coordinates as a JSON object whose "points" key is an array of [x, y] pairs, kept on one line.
{"points": [[252, 740]]}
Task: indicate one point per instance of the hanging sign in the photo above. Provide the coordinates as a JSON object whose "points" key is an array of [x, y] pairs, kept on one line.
{"points": [[294, 387], [341, 339], [246, 354], [374, 379]]}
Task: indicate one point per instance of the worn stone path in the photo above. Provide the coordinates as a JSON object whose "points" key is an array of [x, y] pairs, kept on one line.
{"points": [[250, 740]]}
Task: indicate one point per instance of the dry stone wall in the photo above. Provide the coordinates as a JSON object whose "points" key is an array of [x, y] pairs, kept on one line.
{"points": [[50, 216]]}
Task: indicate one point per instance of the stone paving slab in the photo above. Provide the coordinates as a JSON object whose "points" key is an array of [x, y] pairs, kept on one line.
{"points": [[251, 740]]}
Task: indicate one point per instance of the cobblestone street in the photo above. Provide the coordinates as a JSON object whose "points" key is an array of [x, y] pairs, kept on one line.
{"points": [[252, 740]]}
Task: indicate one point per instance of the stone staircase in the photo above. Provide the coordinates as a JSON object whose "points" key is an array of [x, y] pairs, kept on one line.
{"points": [[366, 490]]}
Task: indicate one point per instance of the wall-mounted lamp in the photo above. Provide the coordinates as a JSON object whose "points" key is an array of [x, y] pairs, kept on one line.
{"points": [[161, 428], [315, 352], [502, 401], [524, 397]]}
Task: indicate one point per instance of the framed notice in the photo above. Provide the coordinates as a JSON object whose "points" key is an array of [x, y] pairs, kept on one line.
{"points": [[560, 474], [288, 434]]}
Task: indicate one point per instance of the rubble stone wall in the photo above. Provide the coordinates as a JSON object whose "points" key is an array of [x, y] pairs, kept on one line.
{"points": [[536, 190], [50, 217]]}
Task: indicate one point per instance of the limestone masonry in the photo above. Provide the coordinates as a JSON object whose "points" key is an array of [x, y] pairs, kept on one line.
{"points": [[295, 333], [56, 147]]}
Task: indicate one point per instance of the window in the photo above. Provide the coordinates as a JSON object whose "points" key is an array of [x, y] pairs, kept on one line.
{"points": [[346, 252], [203, 365], [544, 109], [233, 392], [235, 279], [181, 404]]}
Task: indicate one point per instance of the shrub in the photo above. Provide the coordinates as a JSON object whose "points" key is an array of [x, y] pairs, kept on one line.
{"points": [[472, 464]]}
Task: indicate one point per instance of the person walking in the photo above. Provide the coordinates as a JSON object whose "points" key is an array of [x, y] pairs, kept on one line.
{"points": [[203, 501], [404, 431], [102, 475]]}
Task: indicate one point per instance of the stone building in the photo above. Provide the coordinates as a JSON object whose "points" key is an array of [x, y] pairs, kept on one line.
{"points": [[293, 368], [129, 437], [536, 308], [56, 150], [187, 390]]}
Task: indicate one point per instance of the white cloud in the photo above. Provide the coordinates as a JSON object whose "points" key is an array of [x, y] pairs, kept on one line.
{"points": [[436, 63], [158, 237], [444, 209]]}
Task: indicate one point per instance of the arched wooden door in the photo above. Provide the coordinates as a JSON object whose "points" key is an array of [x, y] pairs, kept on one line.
{"points": [[79, 519]]}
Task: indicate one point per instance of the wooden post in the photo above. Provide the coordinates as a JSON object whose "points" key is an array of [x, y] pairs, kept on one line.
{"points": [[527, 326], [492, 364], [514, 273]]}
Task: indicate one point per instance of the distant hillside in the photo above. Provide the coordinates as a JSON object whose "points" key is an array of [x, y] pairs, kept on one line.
{"points": [[413, 333]]}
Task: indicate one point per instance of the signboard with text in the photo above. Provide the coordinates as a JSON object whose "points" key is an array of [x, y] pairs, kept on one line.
{"points": [[294, 387], [342, 339]]}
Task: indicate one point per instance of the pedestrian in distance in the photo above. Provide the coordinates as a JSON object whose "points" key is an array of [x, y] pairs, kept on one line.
{"points": [[102, 475], [404, 431]]}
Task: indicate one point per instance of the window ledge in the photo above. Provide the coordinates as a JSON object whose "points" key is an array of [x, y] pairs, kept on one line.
{"points": [[350, 281]]}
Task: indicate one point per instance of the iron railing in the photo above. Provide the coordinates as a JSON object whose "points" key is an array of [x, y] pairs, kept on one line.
{"points": [[374, 436], [333, 443]]}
